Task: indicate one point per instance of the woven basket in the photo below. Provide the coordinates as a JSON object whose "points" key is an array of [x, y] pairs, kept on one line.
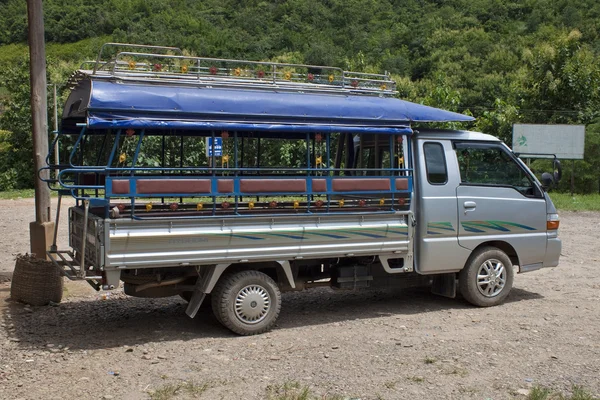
{"points": [[36, 282]]}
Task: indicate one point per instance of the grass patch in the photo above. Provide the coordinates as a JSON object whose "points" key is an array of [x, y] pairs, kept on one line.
{"points": [[458, 371], [539, 393], [390, 385], [542, 393], [295, 391], [15, 194], [171, 390], [577, 202]]}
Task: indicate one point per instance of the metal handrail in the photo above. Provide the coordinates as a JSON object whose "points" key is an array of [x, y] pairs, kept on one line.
{"points": [[142, 46], [274, 73]]}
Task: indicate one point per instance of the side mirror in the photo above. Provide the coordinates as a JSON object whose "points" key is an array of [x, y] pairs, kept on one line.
{"points": [[550, 179], [547, 180], [557, 170]]}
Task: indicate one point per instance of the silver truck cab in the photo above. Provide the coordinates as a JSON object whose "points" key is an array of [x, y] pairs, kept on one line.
{"points": [[477, 203]]}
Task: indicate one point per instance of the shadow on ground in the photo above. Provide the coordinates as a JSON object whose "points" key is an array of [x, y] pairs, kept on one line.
{"points": [[99, 324]]}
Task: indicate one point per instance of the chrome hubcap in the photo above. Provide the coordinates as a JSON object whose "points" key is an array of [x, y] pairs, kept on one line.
{"points": [[252, 304], [491, 278]]}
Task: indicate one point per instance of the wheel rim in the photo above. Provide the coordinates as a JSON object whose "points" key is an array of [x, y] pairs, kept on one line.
{"points": [[252, 304], [491, 278]]}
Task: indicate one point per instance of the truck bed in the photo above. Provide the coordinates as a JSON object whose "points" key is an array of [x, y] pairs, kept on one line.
{"points": [[139, 243]]}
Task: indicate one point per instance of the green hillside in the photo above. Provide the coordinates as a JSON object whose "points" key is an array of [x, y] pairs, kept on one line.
{"points": [[530, 61]]}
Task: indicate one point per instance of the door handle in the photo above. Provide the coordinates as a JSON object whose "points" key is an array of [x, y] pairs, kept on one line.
{"points": [[469, 206]]}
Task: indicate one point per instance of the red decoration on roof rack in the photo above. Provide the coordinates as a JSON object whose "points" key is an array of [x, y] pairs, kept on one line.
{"points": [[213, 70]]}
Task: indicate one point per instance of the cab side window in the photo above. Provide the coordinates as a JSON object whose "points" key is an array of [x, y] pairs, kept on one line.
{"points": [[435, 162], [491, 165]]}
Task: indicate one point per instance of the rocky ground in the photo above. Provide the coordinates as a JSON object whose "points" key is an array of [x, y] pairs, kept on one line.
{"points": [[366, 344]]}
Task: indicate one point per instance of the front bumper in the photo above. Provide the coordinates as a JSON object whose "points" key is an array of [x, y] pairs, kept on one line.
{"points": [[553, 248]]}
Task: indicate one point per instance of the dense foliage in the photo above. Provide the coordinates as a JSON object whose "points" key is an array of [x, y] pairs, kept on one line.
{"points": [[504, 61]]}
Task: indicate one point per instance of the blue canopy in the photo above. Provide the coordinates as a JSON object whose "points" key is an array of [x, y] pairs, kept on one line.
{"points": [[114, 104]]}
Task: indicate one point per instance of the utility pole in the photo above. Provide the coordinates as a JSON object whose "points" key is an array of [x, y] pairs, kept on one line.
{"points": [[42, 229]]}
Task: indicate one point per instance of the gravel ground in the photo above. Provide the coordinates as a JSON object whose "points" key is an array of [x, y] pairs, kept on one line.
{"points": [[366, 344]]}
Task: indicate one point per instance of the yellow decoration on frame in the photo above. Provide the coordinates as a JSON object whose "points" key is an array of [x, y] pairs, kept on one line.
{"points": [[296, 204], [341, 203], [199, 207], [225, 159], [122, 158], [400, 160], [381, 202], [383, 87], [287, 76], [319, 160], [250, 205], [331, 77], [237, 72], [131, 64], [148, 206], [184, 69]]}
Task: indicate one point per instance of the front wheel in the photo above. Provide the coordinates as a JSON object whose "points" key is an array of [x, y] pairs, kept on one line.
{"points": [[487, 278], [247, 302]]}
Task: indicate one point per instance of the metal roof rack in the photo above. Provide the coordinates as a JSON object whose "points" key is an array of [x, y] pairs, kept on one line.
{"points": [[168, 65]]}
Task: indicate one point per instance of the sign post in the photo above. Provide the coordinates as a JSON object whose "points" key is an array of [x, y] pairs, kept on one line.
{"points": [[565, 142]]}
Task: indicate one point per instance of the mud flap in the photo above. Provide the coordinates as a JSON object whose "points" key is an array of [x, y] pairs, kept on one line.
{"points": [[444, 285], [204, 285]]}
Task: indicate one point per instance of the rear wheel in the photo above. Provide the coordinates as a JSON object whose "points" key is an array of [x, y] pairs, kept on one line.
{"points": [[247, 302], [487, 278]]}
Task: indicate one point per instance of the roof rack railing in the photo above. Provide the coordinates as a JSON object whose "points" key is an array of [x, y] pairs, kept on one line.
{"points": [[166, 67], [105, 46]]}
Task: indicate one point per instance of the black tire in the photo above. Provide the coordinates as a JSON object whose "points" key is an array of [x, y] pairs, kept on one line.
{"points": [[246, 302], [472, 281]]}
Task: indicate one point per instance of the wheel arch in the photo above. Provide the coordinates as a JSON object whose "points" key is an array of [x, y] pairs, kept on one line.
{"points": [[279, 271], [507, 248]]}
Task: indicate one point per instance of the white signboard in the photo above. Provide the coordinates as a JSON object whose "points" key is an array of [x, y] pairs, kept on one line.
{"points": [[542, 141]]}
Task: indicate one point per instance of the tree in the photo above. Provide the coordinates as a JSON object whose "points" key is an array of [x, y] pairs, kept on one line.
{"points": [[16, 167]]}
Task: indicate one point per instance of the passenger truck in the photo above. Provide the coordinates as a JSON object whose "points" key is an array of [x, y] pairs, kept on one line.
{"points": [[231, 181]]}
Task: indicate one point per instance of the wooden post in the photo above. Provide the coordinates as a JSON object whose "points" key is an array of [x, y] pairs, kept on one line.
{"points": [[572, 177], [41, 230]]}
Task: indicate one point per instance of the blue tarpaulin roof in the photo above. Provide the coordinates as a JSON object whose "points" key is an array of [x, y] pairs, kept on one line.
{"points": [[113, 104]]}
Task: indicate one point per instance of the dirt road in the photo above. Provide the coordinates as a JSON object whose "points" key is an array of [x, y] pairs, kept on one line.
{"points": [[367, 345]]}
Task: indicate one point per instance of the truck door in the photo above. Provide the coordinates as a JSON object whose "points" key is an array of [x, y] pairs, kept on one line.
{"points": [[498, 201], [437, 248]]}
